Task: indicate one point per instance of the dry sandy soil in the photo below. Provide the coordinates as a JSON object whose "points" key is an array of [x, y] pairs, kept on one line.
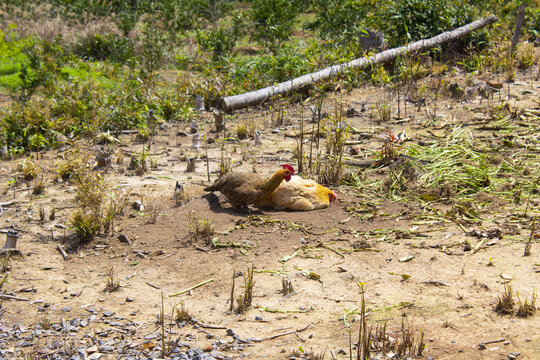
{"points": [[450, 295]]}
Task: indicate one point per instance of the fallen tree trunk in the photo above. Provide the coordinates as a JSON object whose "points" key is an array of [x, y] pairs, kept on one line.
{"points": [[285, 88]]}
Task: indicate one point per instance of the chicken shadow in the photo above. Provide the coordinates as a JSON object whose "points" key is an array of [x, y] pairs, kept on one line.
{"points": [[214, 203]]}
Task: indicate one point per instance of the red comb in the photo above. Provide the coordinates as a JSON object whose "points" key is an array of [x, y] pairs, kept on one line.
{"points": [[288, 167]]}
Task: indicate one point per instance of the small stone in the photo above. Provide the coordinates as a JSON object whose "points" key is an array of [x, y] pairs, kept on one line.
{"points": [[506, 277], [40, 309], [128, 299], [108, 313], [66, 309], [105, 349], [209, 336], [123, 238], [26, 344], [92, 311], [217, 355], [230, 332], [258, 318]]}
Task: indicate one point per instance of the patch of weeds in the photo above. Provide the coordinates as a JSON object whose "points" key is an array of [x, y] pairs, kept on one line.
{"points": [[389, 149], [199, 229], [241, 132], [383, 108], [286, 286], [45, 323], [5, 262], [180, 195], [526, 308], [311, 355], [65, 169], [525, 56], [364, 335], [93, 211], [225, 163], [39, 186], [28, 169], [153, 213], [112, 283], [181, 314], [505, 303], [41, 214], [331, 171], [244, 300], [403, 342], [138, 162]]}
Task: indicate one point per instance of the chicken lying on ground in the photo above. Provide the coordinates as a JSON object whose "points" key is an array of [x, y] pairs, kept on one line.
{"points": [[242, 189], [300, 194]]}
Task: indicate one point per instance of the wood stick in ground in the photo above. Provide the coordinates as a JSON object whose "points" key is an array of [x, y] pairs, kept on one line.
{"points": [[527, 251], [257, 97], [519, 23]]}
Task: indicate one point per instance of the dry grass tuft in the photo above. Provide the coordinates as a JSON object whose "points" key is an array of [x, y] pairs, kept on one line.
{"points": [[505, 303]]}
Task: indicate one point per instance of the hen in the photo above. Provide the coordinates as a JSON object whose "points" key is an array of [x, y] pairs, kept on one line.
{"points": [[300, 194], [242, 189]]}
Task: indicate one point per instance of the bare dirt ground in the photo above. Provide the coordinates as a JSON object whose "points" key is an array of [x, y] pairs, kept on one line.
{"points": [[450, 295]]}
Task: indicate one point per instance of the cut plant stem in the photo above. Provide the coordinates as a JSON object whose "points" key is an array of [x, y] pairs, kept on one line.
{"points": [[191, 288]]}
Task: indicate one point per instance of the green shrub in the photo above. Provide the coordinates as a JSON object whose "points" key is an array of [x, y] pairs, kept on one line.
{"points": [[339, 20], [274, 20], [220, 42], [111, 47], [411, 20], [27, 127]]}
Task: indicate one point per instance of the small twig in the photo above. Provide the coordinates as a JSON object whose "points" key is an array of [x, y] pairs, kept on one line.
{"points": [[435, 282], [208, 326], [493, 341], [165, 256], [129, 276], [61, 250], [201, 249], [191, 288], [9, 297], [478, 246], [331, 249], [287, 333], [154, 286]]}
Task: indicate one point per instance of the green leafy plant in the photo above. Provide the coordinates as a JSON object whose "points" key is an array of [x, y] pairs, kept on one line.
{"points": [[274, 20]]}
